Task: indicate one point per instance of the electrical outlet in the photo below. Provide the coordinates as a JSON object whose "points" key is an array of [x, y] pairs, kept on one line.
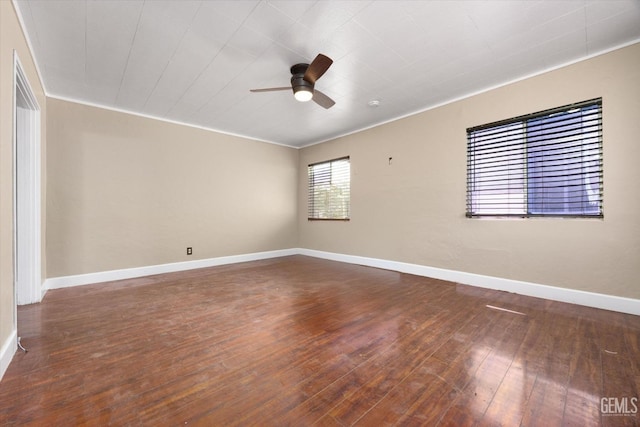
{"points": [[189, 251]]}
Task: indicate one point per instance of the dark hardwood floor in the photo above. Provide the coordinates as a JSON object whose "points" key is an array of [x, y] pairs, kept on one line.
{"points": [[301, 341]]}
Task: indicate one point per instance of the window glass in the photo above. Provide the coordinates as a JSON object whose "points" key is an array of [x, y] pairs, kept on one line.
{"points": [[330, 190]]}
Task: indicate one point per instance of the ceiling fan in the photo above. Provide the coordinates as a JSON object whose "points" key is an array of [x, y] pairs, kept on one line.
{"points": [[303, 79]]}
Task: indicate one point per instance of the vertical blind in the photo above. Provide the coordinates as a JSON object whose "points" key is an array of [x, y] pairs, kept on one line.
{"points": [[330, 190], [543, 164]]}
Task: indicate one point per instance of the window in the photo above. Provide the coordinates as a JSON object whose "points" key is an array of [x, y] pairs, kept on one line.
{"points": [[330, 190], [543, 164]]}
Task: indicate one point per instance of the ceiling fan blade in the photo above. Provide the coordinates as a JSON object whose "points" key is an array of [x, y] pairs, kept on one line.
{"points": [[322, 100], [270, 89], [317, 68]]}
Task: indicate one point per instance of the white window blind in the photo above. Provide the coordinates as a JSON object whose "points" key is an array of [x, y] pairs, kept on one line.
{"points": [[330, 190], [543, 164]]}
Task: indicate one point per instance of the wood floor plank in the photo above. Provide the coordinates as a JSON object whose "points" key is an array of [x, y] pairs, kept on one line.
{"points": [[618, 379], [547, 359], [302, 341], [362, 343], [471, 404], [582, 406], [377, 379], [545, 407], [419, 399]]}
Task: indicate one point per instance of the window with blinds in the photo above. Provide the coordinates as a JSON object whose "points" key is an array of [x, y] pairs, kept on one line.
{"points": [[330, 190], [543, 164]]}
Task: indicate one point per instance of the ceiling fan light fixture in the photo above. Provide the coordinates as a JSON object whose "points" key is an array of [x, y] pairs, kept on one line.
{"points": [[302, 94]]}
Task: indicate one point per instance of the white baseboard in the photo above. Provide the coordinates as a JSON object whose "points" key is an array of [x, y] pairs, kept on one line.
{"points": [[573, 296], [131, 273], [9, 348]]}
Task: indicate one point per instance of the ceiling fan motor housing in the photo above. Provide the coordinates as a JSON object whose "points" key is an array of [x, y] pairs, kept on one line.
{"points": [[297, 78]]}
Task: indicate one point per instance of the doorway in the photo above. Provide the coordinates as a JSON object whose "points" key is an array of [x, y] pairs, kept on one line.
{"points": [[26, 192]]}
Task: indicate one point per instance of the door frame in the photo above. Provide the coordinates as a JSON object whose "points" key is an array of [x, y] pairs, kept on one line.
{"points": [[27, 171]]}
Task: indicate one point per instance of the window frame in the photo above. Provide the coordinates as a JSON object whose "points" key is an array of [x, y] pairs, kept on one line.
{"points": [[310, 185], [528, 146]]}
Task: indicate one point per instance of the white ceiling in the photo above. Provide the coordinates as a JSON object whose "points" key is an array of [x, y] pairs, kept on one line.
{"points": [[194, 62]]}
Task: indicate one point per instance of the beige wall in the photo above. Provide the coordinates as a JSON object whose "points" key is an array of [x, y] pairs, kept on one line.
{"points": [[12, 38], [413, 210], [127, 191]]}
